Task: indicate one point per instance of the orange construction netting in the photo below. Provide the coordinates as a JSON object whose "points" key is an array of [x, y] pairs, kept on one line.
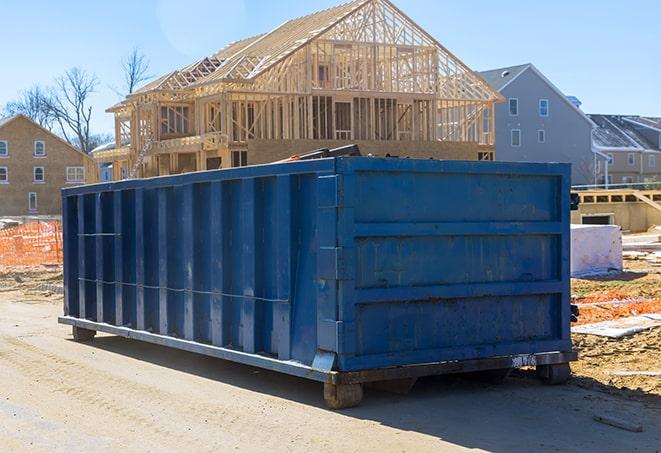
{"points": [[31, 244]]}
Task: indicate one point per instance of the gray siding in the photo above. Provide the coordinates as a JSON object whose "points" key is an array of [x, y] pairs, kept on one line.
{"points": [[567, 132]]}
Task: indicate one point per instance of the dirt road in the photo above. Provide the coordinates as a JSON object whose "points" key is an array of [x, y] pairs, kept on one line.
{"points": [[115, 394]]}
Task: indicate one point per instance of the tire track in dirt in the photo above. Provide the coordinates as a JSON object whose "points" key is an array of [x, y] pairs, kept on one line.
{"points": [[97, 390]]}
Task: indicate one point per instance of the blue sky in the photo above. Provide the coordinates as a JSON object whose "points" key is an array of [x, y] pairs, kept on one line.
{"points": [[604, 52]]}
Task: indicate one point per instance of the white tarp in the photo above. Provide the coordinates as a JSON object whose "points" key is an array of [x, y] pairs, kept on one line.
{"points": [[620, 327], [595, 249]]}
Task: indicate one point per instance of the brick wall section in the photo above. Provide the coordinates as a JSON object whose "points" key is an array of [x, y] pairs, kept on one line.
{"points": [[265, 151], [21, 133]]}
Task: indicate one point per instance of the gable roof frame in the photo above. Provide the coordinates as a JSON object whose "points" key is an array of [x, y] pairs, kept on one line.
{"points": [[484, 92]]}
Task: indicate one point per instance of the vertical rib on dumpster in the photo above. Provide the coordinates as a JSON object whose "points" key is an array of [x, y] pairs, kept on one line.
{"points": [[163, 261], [119, 261], [139, 259], [248, 308], [217, 310], [187, 245], [98, 228], [283, 267]]}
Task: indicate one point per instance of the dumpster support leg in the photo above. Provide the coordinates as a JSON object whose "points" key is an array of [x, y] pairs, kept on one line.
{"points": [[342, 396], [557, 373], [80, 334]]}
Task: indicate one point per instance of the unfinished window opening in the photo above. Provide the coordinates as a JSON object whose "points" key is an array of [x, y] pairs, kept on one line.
{"points": [[386, 119], [245, 120], [214, 163], [322, 117], [187, 162], [362, 119], [405, 121], [175, 120], [344, 66], [422, 120], [239, 158], [163, 164], [485, 155], [213, 117], [323, 76], [343, 121]]}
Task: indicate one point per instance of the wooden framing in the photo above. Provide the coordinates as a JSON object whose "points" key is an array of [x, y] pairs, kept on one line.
{"points": [[359, 71]]}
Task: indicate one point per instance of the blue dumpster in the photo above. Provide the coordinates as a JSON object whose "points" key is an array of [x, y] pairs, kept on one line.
{"points": [[341, 270]]}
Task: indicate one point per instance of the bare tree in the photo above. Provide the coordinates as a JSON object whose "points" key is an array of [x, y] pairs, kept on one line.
{"points": [[31, 103], [68, 104], [135, 68]]}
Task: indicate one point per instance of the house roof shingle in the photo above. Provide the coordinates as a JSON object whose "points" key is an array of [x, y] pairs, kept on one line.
{"points": [[500, 77], [616, 132]]}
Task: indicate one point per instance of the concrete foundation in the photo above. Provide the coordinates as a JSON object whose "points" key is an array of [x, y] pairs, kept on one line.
{"points": [[634, 217]]}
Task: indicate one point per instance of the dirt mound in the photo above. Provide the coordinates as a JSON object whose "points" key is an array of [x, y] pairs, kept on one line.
{"points": [[607, 361]]}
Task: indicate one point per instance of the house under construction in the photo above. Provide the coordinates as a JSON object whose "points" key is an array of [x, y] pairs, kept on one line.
{"points": [[362, 72]]}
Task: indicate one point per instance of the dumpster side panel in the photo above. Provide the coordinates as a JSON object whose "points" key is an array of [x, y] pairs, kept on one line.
{"points": [[454, 260], [225, 258]]}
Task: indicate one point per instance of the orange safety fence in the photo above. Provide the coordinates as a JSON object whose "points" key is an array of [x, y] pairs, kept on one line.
{"points": [[31, 244]]}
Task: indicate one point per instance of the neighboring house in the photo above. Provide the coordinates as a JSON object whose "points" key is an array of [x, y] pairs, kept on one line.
{"points": [[34, 165], [361, 72], [633, 144], [538, 123]]}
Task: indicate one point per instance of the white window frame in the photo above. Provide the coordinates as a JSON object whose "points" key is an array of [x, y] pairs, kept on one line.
{"points": [[6, 153], [36, 202], [6, 180], [39, 156], [539, 109], [512, 138], [611, 159], [631, 159], [74, 180], [542, 136], [651, 161], [509, 106], [34, 175], [627, 179]]}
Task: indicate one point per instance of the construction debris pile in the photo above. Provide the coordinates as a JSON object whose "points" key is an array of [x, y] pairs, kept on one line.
{"points": [[627, 302]]}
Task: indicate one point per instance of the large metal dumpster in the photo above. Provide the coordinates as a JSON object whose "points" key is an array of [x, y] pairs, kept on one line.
{"points": [[342, 270]]}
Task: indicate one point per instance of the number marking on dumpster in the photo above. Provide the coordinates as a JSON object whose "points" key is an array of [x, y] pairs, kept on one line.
{"points": [[524, 360]]}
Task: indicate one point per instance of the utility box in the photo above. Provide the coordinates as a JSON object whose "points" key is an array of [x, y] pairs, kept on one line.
{"points": [[343, 270]]}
